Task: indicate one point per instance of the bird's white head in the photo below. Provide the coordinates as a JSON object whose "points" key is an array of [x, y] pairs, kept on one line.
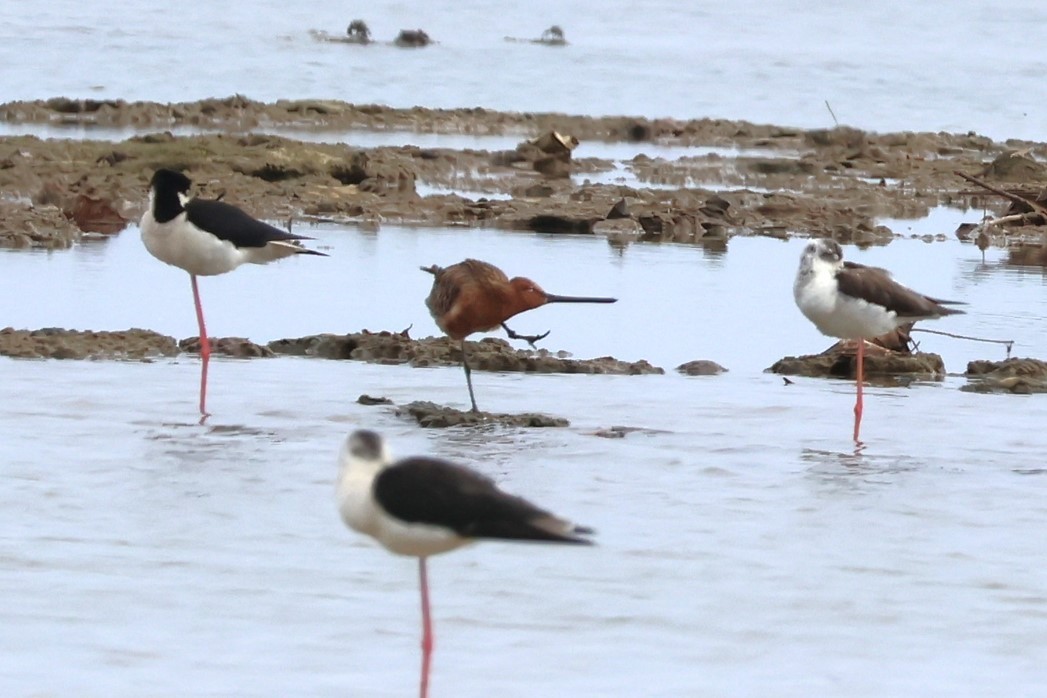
{"points": [[365, 452], [820, 254]]}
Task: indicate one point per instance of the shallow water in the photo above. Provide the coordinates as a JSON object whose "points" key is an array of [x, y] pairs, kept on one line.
{"points": [[745, 547], [879, 66]]}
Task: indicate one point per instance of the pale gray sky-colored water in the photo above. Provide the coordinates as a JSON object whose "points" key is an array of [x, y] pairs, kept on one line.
{"points": [[882, 66], [745, 548]]}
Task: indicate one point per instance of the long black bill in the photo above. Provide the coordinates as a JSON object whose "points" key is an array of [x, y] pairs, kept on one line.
{"points": [[552, 298]]}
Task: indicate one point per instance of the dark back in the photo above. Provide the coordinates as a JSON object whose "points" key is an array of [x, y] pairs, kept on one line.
{"points": [[440, 493], [876, 286], [227, 222]]}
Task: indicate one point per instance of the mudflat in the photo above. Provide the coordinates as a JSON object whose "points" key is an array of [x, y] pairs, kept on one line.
{"points": [[743, 178]]}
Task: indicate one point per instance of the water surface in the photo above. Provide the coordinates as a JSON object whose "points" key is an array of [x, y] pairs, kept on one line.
{"points": [[744, 546], [885, 67]]}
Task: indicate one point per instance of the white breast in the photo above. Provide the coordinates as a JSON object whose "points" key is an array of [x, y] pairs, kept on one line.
{"points": [[361, 513], [837, 315], [185, 246], [419, 540]]}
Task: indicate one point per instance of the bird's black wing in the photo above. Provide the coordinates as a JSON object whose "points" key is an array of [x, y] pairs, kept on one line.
{"points": [[227, 222], [876, 286], [440, 493]]}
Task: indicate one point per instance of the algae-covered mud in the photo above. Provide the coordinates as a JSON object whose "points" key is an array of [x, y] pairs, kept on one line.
{"points": [[388, 348], [699, 180]]}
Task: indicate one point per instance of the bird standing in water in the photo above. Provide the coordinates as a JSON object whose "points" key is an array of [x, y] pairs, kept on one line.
{"points": [[425, 506], [852, 301], [474, 296], [205, 238]]}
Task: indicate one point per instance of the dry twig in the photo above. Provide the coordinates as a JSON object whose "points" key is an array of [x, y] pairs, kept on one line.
{"points": [[1017, 198]]}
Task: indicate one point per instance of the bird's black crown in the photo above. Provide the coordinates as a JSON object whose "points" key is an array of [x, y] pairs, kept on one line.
{"points": [[170, 180]]}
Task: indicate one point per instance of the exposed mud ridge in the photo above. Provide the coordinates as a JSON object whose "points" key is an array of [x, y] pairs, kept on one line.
{"points": [[766, 180], [243, 113], [701, 367], [1018, 376], [55, 343], [489, 354], [841, 363], [236, 347], [620, 432], [432, 416]]}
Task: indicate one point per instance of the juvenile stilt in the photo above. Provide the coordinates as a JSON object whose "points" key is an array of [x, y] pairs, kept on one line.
{"points": [[853, 301]]}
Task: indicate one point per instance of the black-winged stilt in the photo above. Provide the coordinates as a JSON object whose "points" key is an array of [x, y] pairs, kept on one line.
{"points": [[474, 296], [852, 301], [425, 506], [205, 238]]}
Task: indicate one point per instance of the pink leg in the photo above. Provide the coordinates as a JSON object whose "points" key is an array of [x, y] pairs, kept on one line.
{"points": [[427, 628], [858, 404], [205, 348]]}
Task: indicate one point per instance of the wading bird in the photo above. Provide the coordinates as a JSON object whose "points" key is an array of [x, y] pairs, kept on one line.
{"points": [[205, 238], [425, 506], [474, 296], [852, 301]]}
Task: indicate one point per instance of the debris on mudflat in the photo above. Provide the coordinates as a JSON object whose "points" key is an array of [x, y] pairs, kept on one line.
{"points": [[1028, 207]]}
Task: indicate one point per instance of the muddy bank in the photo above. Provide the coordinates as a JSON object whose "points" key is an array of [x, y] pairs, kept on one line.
{"points": [[433, 416], [881, 365], [748, 179], [56, 343], [243, 114], [1014, 375], [700, 367], [490, 354]]}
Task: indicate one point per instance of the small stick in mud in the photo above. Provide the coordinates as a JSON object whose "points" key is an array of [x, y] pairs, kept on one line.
{"points": [[835, 120], [1017, 198], [1007, 343]]}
